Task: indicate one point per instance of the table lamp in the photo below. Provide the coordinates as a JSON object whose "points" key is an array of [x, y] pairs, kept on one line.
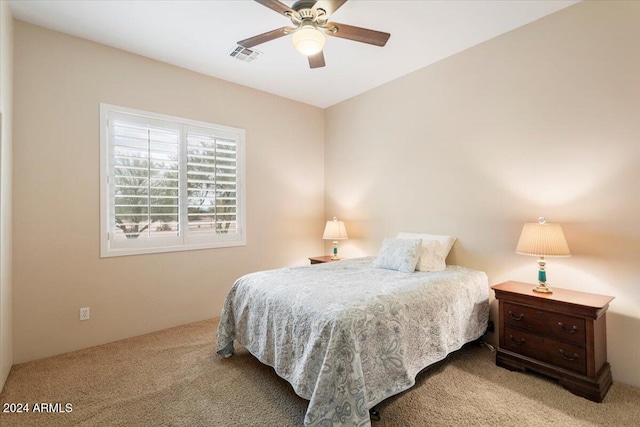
{"points": [[542, 239], [335, 230]]}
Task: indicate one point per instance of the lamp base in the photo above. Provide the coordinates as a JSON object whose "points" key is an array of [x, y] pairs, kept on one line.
{"points": [[543, 289], [335, 256], [542, 279]]}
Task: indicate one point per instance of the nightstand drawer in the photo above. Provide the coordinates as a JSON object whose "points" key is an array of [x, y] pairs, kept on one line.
{"points": [[556, 325], [546, 349]]}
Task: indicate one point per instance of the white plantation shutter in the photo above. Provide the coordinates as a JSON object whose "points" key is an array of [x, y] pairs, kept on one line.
{"points": [[145, 182], [212, 184], [169, 183]]}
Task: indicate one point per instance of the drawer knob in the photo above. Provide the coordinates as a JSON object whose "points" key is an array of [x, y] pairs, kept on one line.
{"points": [[573, 329], [518, 318], [518, 342], [575, 355]]}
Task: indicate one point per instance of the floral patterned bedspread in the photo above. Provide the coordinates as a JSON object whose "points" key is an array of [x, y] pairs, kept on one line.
{"points": [[347, 335]]}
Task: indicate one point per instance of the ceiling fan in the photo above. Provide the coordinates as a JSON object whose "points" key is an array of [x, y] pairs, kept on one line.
{"points": [[310, 19]]}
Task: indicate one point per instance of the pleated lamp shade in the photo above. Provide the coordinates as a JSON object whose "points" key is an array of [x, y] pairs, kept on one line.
{"points": [[542, 239], [335, 230]]}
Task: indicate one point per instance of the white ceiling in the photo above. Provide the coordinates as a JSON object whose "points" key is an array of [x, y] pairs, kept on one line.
{"points": [[199, 35]]}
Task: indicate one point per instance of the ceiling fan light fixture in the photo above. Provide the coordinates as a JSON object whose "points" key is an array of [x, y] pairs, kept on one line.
{"points": [[308, 40], [310, 20]]}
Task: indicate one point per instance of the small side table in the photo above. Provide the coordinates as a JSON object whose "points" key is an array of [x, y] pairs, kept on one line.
{"points": [[562, 335], [321, 259]]}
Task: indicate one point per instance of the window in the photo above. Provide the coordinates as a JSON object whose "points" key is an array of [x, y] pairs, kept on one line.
{"points": [[168, 184]]}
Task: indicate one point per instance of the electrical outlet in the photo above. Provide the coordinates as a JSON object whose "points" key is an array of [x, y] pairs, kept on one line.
{"points": [[84, 313]]}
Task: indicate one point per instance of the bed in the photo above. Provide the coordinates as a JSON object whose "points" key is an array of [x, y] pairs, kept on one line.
{"points": [[347, 335]]}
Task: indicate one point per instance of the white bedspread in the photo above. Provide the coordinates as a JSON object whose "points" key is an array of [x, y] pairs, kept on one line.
{"points": [[347, 335]]}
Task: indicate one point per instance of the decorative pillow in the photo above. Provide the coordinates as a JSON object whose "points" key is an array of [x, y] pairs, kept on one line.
{"points": [[399, 254], [435, 248]]}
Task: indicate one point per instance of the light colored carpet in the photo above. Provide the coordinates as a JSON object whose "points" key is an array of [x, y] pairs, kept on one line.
{"points": [[174, 378]]}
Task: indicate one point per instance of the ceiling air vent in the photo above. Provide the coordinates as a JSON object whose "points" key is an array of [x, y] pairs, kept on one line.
{"points": [[243, 54]]}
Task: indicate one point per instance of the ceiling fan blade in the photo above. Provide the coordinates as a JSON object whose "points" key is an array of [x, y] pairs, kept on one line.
{"points": [[358, 34], [265, 37], [317, 60], [329, 6], [277, 6]]}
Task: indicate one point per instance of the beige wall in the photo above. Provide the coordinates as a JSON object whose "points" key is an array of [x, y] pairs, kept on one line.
{"points": [[6, 109], [59, 82], [544, 120]]}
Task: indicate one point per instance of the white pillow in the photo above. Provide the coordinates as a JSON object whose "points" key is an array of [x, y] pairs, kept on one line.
{"points": [[435, 248], [399, 254]]}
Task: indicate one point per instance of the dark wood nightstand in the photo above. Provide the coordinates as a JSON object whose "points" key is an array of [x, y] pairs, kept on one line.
{"points": [[322, 259], [562, 335]]}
